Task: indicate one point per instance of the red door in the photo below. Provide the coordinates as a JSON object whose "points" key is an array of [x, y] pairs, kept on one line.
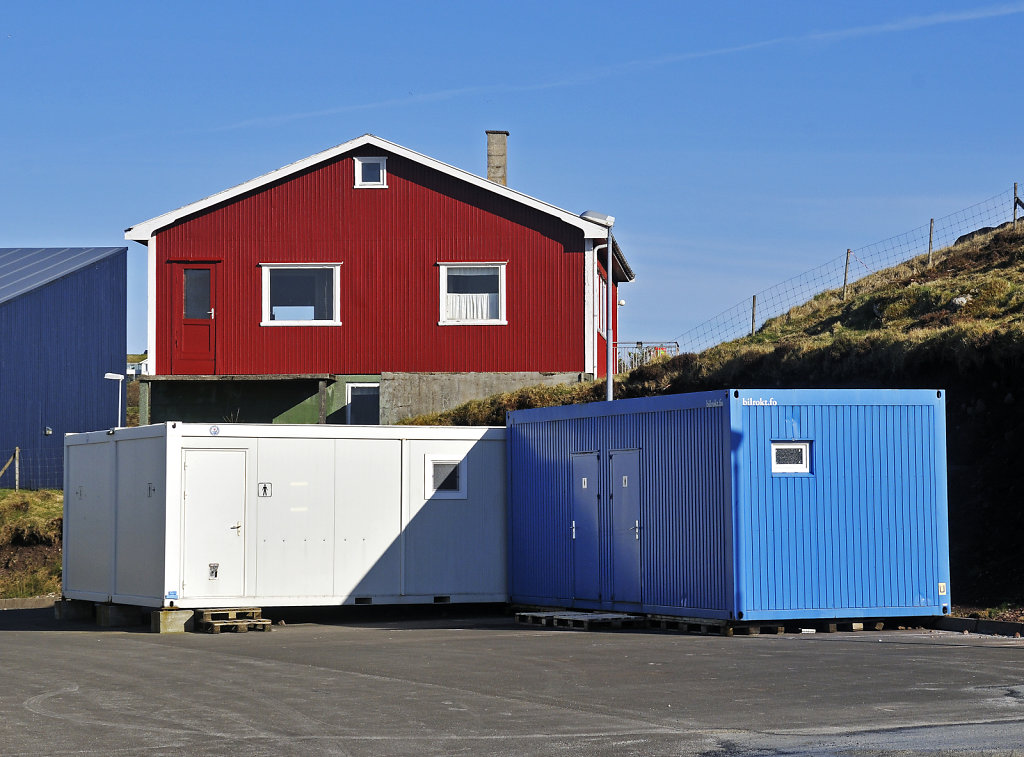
{"points": [[195, 328]]}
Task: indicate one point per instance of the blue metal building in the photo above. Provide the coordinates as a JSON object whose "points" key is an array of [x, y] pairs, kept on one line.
{"points": [[736, 505], [62, 327]]}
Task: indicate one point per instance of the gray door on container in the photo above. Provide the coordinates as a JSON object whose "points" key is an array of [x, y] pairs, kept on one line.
{"points": [[584, 529], [625, 505]]}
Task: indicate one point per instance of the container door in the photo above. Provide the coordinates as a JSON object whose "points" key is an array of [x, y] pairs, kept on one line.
{"points": [[584, 527], [625, 505], [214, 504], [195, 332], [295, 506]]}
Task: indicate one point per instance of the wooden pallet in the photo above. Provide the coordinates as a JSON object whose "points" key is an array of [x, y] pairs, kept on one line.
{"points": [[536, 618], [704, 626], [754, 628], [240, 625], [235, 619], [582, 621]]}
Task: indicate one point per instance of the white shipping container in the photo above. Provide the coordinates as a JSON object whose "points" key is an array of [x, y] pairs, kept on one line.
{"points": [[197, 515]]}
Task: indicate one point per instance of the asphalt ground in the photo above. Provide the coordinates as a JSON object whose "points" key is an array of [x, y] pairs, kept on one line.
{"points": [[422, 684]]}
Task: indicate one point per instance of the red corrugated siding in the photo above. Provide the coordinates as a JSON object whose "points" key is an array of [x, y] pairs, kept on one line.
{"points": [[390, 241]]}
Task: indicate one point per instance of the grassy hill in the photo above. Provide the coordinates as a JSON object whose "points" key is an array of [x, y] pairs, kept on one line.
{"points": [[958, 326], [30, 542]]}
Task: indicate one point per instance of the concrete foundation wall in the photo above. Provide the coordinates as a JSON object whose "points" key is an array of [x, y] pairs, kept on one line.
{"points": [[404, 395]]}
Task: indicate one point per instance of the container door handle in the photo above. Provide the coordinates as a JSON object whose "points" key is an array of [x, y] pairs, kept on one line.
{"points": [[574, 529], [636, 530], [237, 528], [211, 314]]}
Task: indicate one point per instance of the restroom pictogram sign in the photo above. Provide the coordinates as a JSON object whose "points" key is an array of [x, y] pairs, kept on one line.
{"points": [[266, 489]]}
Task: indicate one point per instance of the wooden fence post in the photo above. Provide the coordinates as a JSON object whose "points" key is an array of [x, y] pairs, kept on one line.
{"points": [[1016, 202], [753, 316], [931, 231], [846, 272]]}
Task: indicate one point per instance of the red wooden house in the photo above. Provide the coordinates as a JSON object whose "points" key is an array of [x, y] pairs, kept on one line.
{"points": [[365, 273]]}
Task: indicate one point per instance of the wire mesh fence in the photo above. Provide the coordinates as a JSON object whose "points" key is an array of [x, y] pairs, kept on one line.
{"points": [[31, 468], [746, 317], [634, 354]]}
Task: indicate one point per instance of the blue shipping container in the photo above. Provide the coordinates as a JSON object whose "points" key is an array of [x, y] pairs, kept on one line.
{"points": [[742, 504]]}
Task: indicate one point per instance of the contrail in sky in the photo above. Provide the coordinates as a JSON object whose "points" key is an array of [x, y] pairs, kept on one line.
{"points": [[910, 23]]}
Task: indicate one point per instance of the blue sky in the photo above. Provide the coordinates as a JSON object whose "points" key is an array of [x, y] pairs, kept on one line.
{"points": [[736, 143]]}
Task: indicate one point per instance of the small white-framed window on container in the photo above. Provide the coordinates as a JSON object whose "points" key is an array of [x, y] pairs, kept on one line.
{"points": [[371, 173], [362, 404], [791, 457], [444, 477], [301, 294], [472, 293]]}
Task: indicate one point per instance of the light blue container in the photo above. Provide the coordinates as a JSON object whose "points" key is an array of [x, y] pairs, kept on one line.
{"points": [[735, 505]]}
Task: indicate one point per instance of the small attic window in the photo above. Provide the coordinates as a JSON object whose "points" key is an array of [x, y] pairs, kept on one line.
{"points": [[371, 172]]}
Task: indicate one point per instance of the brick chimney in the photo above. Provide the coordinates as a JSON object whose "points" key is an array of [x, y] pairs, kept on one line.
{"points": [[497, 157]]}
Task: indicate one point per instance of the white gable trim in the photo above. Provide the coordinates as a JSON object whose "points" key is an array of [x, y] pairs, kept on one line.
{"points": [[143, 232]]}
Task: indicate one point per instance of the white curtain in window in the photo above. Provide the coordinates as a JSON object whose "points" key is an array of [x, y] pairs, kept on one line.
{"points": [[472, 307], [480, 302]]}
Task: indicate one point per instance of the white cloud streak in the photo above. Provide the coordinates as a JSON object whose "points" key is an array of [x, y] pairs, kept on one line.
{"points": [[911, 23]]}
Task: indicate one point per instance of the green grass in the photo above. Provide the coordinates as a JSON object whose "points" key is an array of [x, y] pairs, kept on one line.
{"points": [[37, 583], [30, 542], [132, 405], [33, 516]]}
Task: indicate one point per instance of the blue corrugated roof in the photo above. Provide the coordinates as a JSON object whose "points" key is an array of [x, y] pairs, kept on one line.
{"points": [[23, 269]]}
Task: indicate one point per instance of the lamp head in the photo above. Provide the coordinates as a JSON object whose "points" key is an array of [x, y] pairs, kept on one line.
{"points": [[599, 218]]}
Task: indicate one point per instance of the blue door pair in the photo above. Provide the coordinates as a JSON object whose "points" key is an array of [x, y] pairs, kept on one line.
{"points": [[612, 520]]}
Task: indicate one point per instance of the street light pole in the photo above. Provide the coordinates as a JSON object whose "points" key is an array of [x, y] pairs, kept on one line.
{"points": [[118, 377], [607, 221], [609, 394]]}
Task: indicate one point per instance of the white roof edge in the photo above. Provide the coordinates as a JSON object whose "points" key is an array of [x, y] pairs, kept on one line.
{"points": [[144, 231]]}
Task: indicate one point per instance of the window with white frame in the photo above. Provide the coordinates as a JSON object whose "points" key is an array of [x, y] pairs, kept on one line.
{"points": [[444, 477], [472, 293], [371, 172], [297, 294], [791, 457], [602, 303]]}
